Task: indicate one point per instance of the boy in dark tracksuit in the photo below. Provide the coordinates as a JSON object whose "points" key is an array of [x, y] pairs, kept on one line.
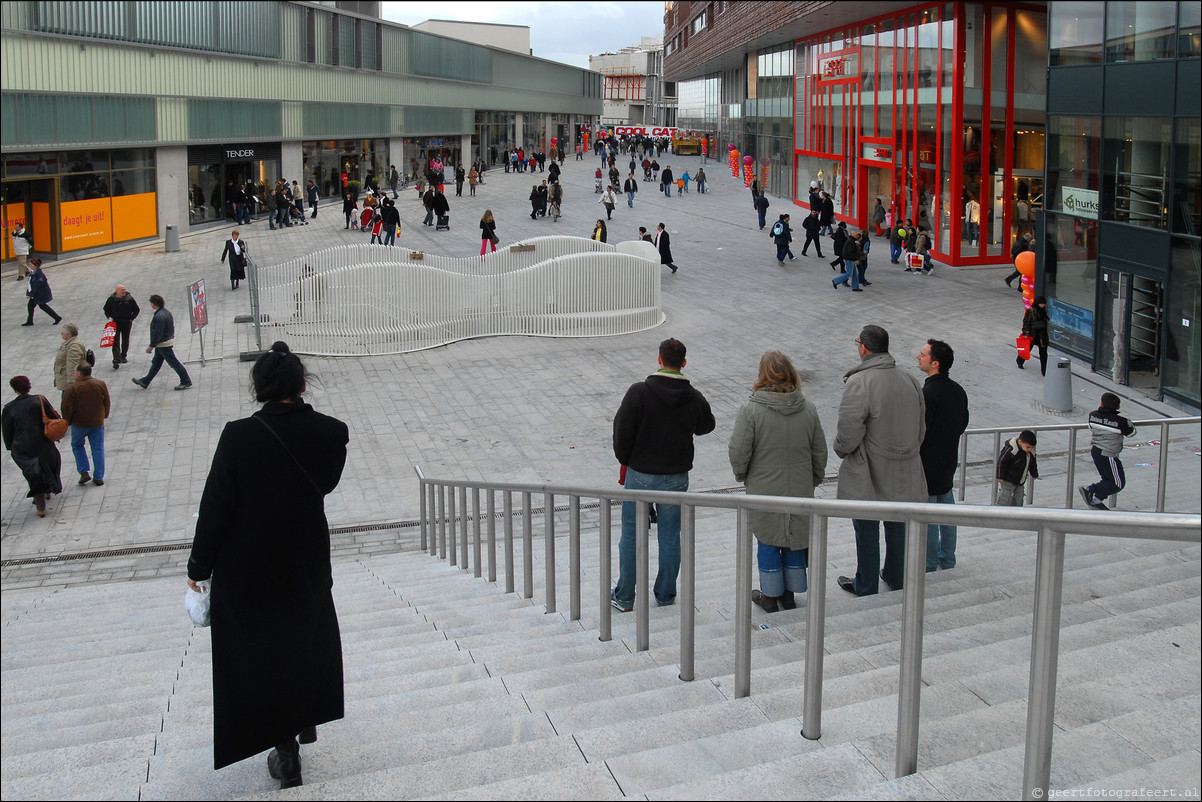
{"points": [[1015, 463], [1107, 429]]}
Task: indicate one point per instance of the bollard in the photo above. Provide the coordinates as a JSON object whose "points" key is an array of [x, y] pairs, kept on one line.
{"points": [[1058, 385], [172, 239]]}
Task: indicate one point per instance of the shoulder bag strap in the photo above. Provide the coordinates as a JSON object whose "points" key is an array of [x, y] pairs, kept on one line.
{"points": [[294, 459]]}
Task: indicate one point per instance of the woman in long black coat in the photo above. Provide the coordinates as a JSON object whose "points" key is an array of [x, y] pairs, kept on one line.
{"points": [[235, 251], [37, 457], [263, 538]]}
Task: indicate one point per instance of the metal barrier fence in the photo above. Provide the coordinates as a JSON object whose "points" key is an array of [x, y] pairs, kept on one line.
{"points": [[1161, 426], [438, 508], [363, 300]]}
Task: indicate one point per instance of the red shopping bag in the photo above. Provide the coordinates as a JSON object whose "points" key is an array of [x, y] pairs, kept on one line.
{"points": [[1023, 343], [110, 331], [914, 260]]}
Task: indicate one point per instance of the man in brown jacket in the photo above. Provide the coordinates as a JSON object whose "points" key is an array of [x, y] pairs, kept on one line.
{"points": [[71, 353], [85, 406]]}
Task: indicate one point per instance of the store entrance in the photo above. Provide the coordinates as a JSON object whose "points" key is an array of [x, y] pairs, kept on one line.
{"points": [[1129, 342], [878, 181], [31, 203]]}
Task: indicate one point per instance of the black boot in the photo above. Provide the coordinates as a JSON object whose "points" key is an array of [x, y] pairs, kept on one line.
{"points": [[283, 763], [308, 735], [769, 603], [787, 601]]}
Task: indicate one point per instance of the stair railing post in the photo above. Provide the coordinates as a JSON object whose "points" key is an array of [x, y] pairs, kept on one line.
{"points": [[642, 596], [1163, 473], [1045, 657], [527, 547], [442, 522], [742, 603], [432, 506], [492, 536], [463, 555], [963, 464], [549, 549], [421, 511], [476, 531], [605, 570], [811, 716], [688, 590], [909, 692], [1070, 490], [452, 518], [507, 503], [573, 558], [997, 449]]}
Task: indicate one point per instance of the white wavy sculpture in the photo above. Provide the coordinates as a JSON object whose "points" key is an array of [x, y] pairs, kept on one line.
{"points": [[362, 300]]}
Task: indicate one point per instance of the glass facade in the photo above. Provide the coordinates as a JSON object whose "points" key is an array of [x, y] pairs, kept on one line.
{"points": [[938, 112], [1121, 254]]}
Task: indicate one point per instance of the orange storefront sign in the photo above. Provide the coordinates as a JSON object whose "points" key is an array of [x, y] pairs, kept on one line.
{"points": [[86, 223]]}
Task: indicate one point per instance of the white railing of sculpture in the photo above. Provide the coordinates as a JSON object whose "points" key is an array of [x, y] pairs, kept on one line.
{"points": [[363, 300]]}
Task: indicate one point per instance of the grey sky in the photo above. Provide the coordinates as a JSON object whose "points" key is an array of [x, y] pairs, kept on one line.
{"points": [[568, 32]]}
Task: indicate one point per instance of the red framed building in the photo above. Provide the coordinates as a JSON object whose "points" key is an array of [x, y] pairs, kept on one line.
{"points": [[938, 111]]}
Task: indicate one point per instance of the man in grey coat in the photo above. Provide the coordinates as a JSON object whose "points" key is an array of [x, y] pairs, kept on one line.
{"points": [[882, 422]]}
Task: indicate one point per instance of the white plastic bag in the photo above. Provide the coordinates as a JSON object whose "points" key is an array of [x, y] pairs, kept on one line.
{"points": [[197, 604]]}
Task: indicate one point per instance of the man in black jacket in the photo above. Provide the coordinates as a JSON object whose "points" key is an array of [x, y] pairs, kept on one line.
{"points": [[653, 437], [811, 225], [122, 309], [947, 418], [630, 187]]}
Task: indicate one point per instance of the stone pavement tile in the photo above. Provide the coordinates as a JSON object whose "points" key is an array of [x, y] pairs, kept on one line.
{"points": [[514, 407]]}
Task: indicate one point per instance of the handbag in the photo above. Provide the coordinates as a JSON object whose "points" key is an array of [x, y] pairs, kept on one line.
{"points": [[108, 335], [54, 429], [1023, 343]]}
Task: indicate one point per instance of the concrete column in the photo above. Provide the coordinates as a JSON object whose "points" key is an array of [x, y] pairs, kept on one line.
{"points": [[519, 140], [171, 188], [466, 156], [396, 154], [292, 161]]}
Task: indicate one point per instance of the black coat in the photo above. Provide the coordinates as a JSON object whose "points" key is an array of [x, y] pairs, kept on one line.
{"points": [[827, 213], [121, 309], [237, 259], [441, 204], [37, 457], [947, 418], [664, 243], [811, 224], [262, 536]]}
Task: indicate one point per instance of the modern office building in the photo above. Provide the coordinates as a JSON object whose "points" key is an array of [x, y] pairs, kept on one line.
{"points": [[1121, 264], [934, 109], [121, 118], [633, 85]]}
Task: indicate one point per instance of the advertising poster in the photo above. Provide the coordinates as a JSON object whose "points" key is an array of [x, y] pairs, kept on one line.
{"points": [[196, 306], [86, 223]]}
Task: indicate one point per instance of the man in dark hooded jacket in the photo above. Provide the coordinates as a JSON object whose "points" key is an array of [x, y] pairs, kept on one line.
{"points": [[653, 438]]}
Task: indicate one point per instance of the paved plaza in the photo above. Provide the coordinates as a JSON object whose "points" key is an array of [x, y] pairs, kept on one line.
{"points": [[502, 408]]}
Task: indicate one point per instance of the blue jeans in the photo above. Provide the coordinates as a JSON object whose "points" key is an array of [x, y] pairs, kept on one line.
{"points": [[701, 187], [390, 236], [868, 555], [941, 538], [630, 199], [667, 528], [850, 271], [668, 192], [781, 569], [95, 438], [761, 216], [895, 252], [167, 355]]}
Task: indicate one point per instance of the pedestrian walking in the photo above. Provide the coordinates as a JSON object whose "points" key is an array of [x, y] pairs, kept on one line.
{"points": [[22, 246], [761, 209], [609, 202], [277, 653], [852, 253], [600, 234], [782, 235], [162, 345], [1015, 462], [22, 423], [1035, 328], [86, 405], [235, 250], [701, 181], [663, 244], [488, 232], [811, 226], [39, 293], [665, 180], [71, 353], [473, 177], [122, 309], [311, 190]]}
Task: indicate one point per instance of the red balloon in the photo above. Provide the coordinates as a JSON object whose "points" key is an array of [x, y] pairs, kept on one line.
{"points": [[748, 160]]}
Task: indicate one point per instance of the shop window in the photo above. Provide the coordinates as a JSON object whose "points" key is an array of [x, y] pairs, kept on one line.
{"points": [[133, 157], [84, 186], [1139, 31], [1074, 155], [1075, 33], [1137, 192], [1182, 350], [132, 182], [1070, 271], [1187, 188], [1189, 30]]}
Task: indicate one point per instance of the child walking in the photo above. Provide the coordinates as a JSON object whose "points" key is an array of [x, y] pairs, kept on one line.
{"points": [[1107, 428], [1015, 463]]}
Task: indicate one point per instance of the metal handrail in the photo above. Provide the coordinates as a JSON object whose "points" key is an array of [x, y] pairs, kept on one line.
{"points": [[1162, 424], [1052, 525]]}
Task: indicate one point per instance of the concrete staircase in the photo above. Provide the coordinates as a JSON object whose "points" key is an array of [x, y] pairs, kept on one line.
{"points": [[456, 690]]}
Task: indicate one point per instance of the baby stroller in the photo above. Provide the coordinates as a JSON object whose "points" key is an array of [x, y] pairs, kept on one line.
{"points": [[597, 185], [365, 218], [297, 216]]}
